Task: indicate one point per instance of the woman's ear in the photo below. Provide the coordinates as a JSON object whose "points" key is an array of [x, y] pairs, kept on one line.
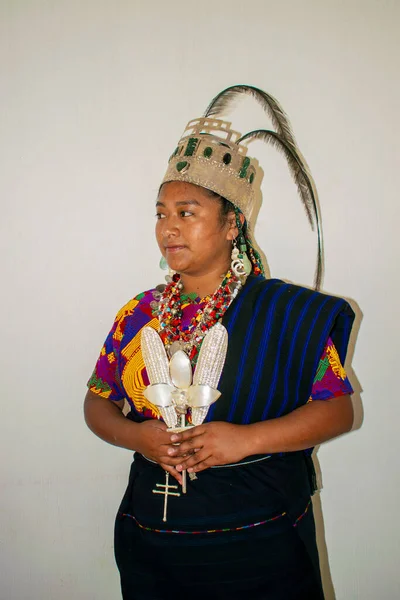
{"points": [[233, 231]]}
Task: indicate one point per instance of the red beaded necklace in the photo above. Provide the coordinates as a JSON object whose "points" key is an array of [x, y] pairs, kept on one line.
{"points": [[170, 315]]}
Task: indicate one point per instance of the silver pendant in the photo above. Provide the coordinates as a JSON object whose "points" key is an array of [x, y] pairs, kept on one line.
{"points": [[175, 347]]}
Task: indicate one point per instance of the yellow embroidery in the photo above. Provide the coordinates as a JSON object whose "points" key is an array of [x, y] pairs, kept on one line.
{"points": [[124, 312], [335, 363], [132, 375], [127, 309], [100, 392], [111, 357]]}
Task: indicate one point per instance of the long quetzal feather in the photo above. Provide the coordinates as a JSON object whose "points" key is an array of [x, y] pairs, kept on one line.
{"points": [[221, 104], [305, 185]]}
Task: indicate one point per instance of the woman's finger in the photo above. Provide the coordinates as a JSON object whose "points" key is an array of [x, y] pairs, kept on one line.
{"points": [[202, 466], [190, 433], [171, 461], [172, 471], [187, 447], [193, 460]]}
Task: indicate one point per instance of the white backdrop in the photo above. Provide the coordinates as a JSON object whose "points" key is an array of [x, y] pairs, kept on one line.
{"points": [[94, 96]]}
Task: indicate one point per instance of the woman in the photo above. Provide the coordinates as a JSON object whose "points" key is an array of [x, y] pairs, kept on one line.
{"points": [[245, 524]]}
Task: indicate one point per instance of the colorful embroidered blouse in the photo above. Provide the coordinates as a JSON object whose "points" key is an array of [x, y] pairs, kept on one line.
{"points": [[120, 371]]}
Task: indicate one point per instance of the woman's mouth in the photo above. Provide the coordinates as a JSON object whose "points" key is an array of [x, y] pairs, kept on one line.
{"points": [[173, 249]]}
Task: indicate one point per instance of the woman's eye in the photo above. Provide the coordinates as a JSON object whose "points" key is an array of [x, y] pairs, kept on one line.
{"points": [[186, 213], [160, 216]]}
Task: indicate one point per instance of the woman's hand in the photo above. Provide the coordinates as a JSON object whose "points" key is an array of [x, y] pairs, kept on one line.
{"points": [[219, 443], [150, 438], [210, 444], [154, 442]]}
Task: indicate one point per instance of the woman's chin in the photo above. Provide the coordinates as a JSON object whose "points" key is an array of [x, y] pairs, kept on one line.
{"points": [[179, 266]]}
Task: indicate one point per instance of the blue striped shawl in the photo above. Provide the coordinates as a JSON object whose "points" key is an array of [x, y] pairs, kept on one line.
{"points": [[277, 332]]}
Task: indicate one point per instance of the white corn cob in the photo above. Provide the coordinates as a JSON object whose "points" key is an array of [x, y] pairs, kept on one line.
{"points": [[209, 365], [199, 414], [154, 356], [169, 416], [157, 367], [212, 357]]}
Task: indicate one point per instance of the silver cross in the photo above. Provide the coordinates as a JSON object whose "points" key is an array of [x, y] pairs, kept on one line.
{"points": [[165, 487]]}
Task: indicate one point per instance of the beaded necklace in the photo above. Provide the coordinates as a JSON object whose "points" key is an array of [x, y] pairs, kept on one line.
{"points": [[169, 313]]}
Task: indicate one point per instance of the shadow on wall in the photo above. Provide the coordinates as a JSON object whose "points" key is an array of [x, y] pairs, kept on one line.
{"points": [[329, 589]]}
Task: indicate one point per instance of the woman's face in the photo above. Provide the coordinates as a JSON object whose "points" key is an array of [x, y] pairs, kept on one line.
{"points": [[190, 232]]}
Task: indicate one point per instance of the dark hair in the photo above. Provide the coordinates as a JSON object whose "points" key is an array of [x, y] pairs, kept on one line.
{"points": [[226, 208]]}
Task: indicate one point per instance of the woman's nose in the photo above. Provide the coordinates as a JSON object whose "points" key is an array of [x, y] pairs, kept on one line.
{"points": [[169, 228]]}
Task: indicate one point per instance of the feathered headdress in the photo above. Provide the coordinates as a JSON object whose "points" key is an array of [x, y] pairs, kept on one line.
{"points": [[210, 154]]}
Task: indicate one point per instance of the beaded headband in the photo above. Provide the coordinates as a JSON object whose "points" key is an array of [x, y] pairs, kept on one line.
{"points": [[212, 155]]}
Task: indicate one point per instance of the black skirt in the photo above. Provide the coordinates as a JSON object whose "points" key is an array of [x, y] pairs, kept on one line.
{"points": [[246, 529]]}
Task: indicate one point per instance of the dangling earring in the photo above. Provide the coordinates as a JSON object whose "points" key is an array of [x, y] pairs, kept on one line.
{"points": [[240, 261], [240, 264], [165, 267], [163, 263]]}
